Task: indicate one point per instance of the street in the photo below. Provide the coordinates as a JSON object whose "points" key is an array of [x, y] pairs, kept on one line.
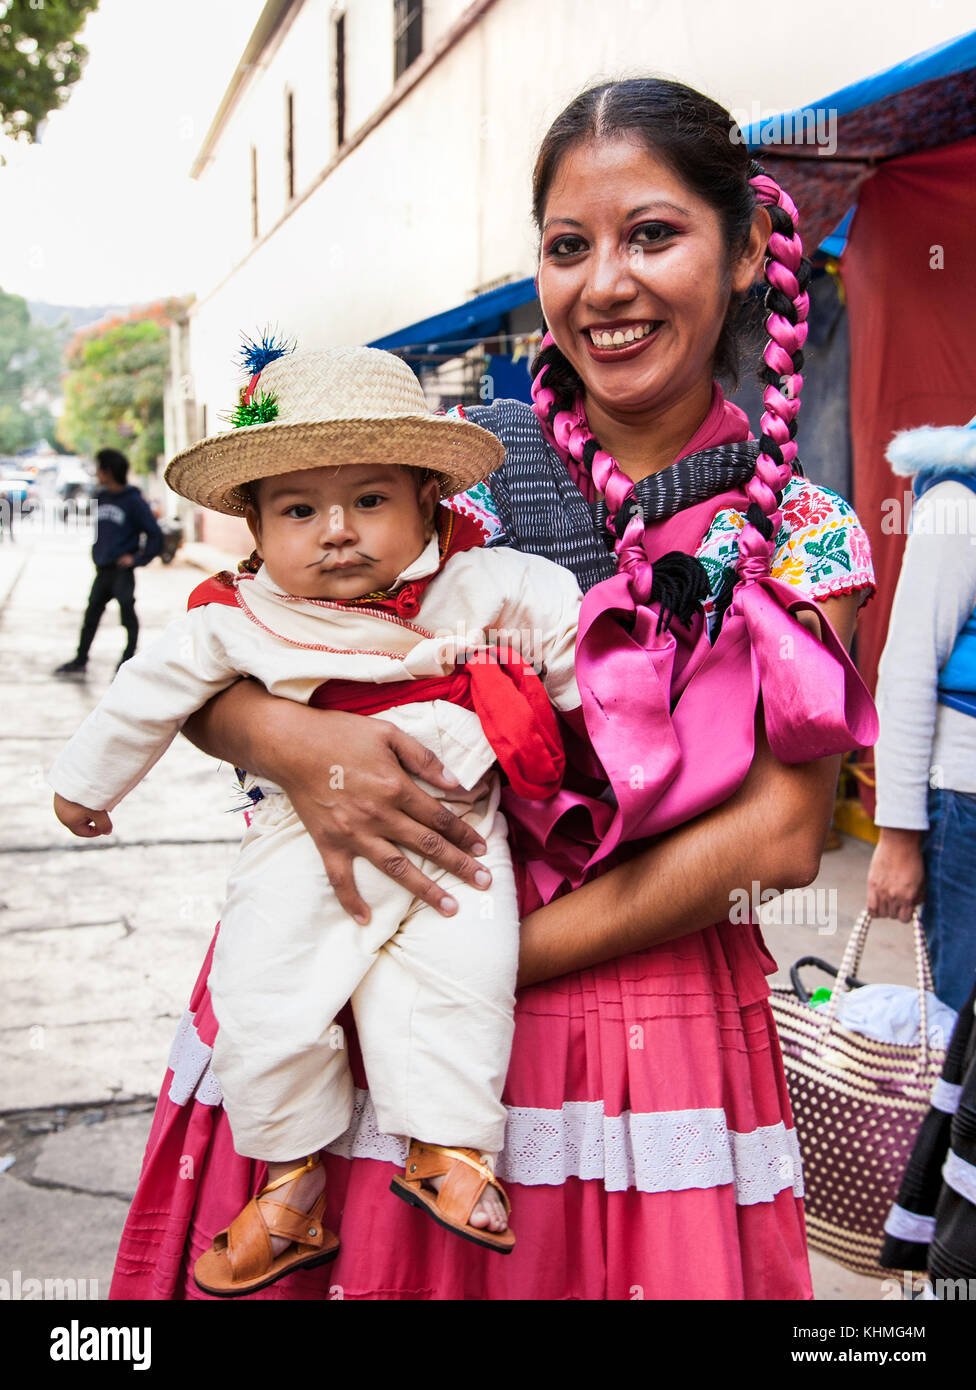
{"points": [[100, 942]]}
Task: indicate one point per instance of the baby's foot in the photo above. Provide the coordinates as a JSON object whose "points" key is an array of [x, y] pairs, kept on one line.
{"points": [[302, 1193], [489, 1211]]}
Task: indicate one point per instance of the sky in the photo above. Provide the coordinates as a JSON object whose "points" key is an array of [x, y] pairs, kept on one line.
{"points": [[101, 211]]}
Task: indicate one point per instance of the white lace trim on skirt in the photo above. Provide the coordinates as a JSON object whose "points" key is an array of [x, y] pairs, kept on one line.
{"points": [[666, 1152]]}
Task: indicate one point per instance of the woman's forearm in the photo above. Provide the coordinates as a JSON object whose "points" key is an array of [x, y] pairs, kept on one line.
{"points": [[771, 832], [235, 727]]}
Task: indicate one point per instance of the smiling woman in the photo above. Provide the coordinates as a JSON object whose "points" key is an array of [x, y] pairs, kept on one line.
{"points": [[649, 1147], [668, 250], [637, 294]]}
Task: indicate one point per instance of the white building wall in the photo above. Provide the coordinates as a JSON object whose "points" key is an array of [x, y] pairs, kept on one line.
{"points": [[369, 58], [435, 202]]}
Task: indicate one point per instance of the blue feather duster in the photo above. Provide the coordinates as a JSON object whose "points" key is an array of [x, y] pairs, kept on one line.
{"points": [[255, 356]]}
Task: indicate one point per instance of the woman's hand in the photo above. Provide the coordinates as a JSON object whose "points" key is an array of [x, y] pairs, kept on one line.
{"points": [[896, 878], [348, 778], [81, 820], [367, 805]]}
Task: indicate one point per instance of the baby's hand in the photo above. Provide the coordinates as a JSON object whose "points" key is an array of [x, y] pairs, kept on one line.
{"points": [[80, 820]]}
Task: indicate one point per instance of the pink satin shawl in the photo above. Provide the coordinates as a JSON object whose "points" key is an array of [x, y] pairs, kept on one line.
{"points": [[669, 718]]}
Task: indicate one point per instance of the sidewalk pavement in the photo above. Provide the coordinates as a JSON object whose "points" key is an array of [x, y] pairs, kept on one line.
{"points": [[100, 942]]}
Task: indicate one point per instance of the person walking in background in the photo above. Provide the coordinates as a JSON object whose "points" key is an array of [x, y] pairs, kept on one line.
{"points": [[926, 755], [126, 535]]}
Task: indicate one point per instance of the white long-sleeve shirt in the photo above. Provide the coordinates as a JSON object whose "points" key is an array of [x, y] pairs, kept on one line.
{"points": [[293, 645], [923, 743]]}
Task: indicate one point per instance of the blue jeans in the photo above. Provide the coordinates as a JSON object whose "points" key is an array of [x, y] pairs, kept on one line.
{"points": [[949, 913]]}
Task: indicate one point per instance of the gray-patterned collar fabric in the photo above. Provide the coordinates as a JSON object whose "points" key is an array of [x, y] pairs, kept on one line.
{"points": [[543, 511]]}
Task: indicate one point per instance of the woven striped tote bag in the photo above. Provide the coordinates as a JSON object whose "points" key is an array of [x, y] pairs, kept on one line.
{"points": [[857, 1105]]}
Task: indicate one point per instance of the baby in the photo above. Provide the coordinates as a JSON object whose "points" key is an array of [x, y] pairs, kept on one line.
{"points": [[367, 595]]}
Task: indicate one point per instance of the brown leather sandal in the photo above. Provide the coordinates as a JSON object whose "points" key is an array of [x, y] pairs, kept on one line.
{"points": [[468, 1174], [241, 1259]]}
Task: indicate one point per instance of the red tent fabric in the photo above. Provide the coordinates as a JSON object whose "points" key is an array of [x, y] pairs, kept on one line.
{"points": [[913, 345]]}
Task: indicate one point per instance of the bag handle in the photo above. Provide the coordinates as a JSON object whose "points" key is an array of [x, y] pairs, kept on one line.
{"points": [[851, 962], [802, 993]]}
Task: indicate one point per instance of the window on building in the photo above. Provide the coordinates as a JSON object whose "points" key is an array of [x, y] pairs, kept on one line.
{"points": [[254, 192], [289, 145], [340, 80], [408, 18]]}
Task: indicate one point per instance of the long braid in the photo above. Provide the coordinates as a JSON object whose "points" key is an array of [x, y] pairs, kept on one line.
{"points": [[556, 394], [787, 273]]}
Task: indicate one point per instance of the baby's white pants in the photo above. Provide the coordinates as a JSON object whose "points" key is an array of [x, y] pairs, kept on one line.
{"points": [[432, 996]]}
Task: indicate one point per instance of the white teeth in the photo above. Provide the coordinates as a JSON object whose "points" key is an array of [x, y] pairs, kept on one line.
{"points": [[618, 337]]}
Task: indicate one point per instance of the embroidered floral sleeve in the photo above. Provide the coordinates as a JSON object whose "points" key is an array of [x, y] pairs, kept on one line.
{"points": [[477, 501], [821, 547]]}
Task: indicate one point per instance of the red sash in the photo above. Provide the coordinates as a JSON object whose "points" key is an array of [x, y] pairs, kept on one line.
{"points": [[508, 698]]}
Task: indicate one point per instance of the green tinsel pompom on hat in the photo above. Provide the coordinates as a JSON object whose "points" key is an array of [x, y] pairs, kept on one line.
{"points": [[252, 409]]}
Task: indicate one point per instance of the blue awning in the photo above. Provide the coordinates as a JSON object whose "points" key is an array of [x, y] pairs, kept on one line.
{"points": [[455, 329], [925, 102], [834, 244], [955, 55]]}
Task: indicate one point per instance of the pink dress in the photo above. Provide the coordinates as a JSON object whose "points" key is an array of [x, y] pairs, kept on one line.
{"points": [[649, 1153]]}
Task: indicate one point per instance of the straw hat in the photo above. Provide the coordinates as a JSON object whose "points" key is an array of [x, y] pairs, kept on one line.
{"points": [[341, 405]]}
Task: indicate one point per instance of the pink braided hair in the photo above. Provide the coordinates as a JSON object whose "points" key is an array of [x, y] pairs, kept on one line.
{"points": [[787, 274], [594, 471]]}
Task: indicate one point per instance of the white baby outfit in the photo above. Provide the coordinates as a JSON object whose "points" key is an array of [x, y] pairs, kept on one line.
{"points": [[433, 997]]}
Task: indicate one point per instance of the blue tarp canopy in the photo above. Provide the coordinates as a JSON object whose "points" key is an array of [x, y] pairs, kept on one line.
{"points": [[927, 101], [955, 55], [456, 329], [834, 244]]}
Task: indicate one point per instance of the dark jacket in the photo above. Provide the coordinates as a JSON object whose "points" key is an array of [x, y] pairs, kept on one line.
{"points": [[125, 526]]}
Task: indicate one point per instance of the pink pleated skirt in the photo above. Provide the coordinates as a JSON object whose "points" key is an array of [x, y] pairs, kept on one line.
{"points": [[649, 1153]]}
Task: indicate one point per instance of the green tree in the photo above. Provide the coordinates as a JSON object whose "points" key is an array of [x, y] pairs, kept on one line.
{"points": [[113, 390], [40, 59], [30, 365]]}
